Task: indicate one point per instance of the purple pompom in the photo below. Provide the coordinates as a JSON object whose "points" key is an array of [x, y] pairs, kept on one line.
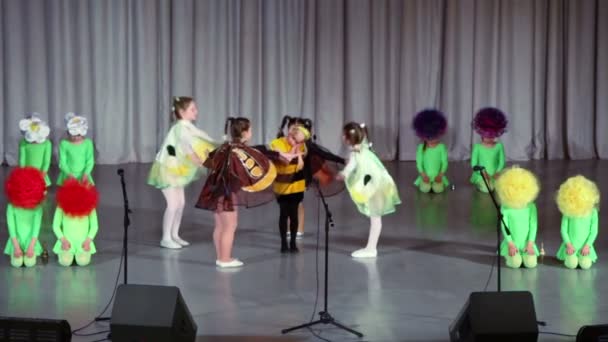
{"points": [[429, 124], [490, 122]]}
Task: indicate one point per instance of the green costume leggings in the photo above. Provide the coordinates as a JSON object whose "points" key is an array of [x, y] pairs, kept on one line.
{"points": [[529, 261], [67, 258], [427, 187], [572, 261], [481, 185], [23, 260]]}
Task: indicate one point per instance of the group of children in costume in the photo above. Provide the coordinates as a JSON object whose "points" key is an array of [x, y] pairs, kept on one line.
{"points": [[75, 219], [517, 188], [243, 175]]}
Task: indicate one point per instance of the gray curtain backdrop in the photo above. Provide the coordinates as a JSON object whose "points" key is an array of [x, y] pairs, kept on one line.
{"points": [[119, 62]]}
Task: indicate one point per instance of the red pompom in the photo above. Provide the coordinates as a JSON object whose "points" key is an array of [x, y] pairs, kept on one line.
{"points": [[25, 187], [77, 199]]}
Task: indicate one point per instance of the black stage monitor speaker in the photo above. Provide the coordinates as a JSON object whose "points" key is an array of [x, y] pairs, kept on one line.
{"points": [[34, 330], [496, 317], [593, 333], [151, 313]]}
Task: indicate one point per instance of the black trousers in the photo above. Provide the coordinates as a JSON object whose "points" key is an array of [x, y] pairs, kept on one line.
{"points": [[288, 210]]}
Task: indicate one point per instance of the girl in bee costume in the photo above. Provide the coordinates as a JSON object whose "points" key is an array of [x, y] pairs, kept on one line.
{"points": [[314, 162]]}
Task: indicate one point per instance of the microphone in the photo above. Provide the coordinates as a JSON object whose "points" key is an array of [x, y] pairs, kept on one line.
{"points": [[478, 168], [120, 172], [314, 137]]}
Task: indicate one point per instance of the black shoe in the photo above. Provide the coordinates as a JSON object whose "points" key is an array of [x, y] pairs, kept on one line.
{"points": [[284, 248], [293, 248]]}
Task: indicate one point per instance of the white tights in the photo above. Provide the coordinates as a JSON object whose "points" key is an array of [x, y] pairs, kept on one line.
{"points": [[375, 228], [172, 219]]}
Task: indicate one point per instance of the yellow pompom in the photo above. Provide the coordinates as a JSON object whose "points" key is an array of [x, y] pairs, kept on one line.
{"points": [[517, 187], [577, 197]]}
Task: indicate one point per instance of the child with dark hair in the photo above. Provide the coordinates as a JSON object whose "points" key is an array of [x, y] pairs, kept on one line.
{"points": [[315, 163], [431, 155], [370, 185], [237, 171], [490, 123]]}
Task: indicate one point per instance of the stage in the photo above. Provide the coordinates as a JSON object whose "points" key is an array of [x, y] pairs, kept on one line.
{"points": [[432, 253]]}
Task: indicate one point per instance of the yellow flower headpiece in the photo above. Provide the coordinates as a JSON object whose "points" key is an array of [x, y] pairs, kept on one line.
{"points": [[577, 197], [517, 187]]}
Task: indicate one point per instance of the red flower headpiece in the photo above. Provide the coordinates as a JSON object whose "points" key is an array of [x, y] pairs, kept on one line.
{"points": [[77, 199], [25, 187]]}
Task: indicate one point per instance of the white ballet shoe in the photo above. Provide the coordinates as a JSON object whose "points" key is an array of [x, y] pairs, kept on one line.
{"points": [[181, 241], [299, 235], [170, 244], [365, 253], [228, 264]]}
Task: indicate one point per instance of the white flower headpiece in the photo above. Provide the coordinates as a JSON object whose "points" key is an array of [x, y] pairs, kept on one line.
{"points": [[34, 129], [76, 124]]}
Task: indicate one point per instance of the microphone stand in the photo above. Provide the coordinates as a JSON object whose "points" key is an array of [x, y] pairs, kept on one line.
{"points": [[325, 316], [125, 237], [500, 220]]}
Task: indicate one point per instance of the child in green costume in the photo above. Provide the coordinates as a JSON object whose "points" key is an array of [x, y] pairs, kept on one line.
{"points": [[578, 199], [517, 190], [25, 190], [75, 222], [76, 154], [490, 124], [35, 149], [431, 155]]}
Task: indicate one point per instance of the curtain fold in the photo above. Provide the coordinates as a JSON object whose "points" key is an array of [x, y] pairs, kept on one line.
{"points": [[119, 62]]}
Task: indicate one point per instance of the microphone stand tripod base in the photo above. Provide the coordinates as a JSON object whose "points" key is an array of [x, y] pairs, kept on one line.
{"points": [[325, 318]]}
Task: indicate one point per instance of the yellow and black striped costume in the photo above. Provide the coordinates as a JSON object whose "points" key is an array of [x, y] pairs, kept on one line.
{"points": [[290, 177], [289, 186]]}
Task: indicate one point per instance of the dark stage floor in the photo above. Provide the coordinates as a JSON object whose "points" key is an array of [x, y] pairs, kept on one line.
{"points": [[433, 252]]}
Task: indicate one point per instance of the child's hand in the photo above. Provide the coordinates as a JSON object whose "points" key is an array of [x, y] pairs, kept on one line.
{"points": [[287, 157], [569, 249], [300, 162], [425, 178], [530, 248], [86, 245], [512, 249], [85, 178], [18, 253], [30, 251], [439, 178], [585, 250], [65, 244]]}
